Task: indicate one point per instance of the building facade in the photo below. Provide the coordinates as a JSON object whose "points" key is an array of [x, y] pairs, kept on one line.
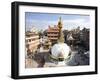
{"points": [[32, 42], [53, 33]]}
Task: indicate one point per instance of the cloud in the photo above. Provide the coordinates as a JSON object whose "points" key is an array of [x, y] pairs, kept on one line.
{"points": [[74, 21], [67, 24]]}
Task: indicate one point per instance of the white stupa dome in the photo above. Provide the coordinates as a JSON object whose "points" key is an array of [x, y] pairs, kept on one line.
{"points": [[60, 48]]}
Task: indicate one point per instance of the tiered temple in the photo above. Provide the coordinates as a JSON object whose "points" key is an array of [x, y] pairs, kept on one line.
{"points": [[55, 33]]}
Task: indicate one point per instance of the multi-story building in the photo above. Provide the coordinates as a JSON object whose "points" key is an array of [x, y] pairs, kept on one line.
{"points": [[84, 37], [53, 33], [32, 42]]}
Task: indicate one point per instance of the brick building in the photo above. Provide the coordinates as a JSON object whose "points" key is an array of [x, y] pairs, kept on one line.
{"points": [[53, 33]]}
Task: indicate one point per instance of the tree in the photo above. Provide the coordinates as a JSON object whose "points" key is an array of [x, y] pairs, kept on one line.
{"points": [[40, 33], [45, 32]]}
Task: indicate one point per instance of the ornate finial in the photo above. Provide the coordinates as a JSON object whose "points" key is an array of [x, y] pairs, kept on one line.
{"points": [[60, 23], [60, 19], [61, 36]]}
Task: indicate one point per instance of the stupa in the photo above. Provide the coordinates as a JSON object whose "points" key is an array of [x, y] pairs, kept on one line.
{"points": [[60, 50]]}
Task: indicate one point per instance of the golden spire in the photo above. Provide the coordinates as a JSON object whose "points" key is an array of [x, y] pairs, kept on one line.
{"points": [[60, 19], [61, 36], [60, 23]]}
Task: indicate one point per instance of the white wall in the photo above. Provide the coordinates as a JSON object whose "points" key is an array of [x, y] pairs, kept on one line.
{"points": [[5, 40]]}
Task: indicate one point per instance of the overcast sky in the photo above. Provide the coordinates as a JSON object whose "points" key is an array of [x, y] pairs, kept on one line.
{"points": [[43, 20]]}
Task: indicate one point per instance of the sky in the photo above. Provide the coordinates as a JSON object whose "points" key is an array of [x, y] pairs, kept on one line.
{"points": [[41, 21]]}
